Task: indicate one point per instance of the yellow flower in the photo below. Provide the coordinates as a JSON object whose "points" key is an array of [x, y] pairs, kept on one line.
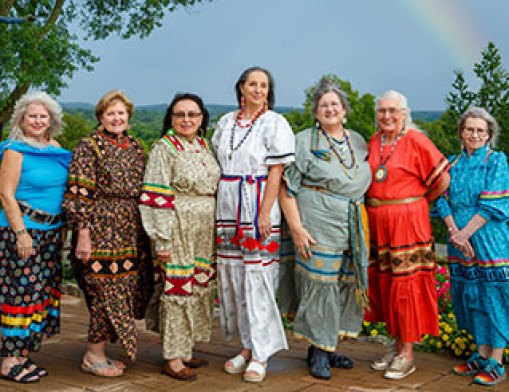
{"points": [[457, 352], [374, 332], [439, 345], [462, 345], [473, 346], [445, 338]]}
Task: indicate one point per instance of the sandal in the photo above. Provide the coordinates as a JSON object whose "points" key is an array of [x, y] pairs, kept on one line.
{"points": [[255, 371], [39, 370], [16, 370], [235, 365], [95, 369], [118, 364]]}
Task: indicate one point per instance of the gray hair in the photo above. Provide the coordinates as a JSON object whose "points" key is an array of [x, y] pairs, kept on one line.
{"points": [[36, 97], [325, 86], [402, 104], [477, 112]]}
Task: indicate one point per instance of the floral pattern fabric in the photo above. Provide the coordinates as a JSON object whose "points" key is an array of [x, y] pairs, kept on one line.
{"points": [[177, 205], [102, 194]]}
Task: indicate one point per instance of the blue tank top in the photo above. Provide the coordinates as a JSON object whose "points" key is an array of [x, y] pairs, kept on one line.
{"points": [[42, 181]]}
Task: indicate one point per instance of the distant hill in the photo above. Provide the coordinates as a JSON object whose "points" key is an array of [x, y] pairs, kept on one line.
{"points": [[426, 115], [213, 108]]}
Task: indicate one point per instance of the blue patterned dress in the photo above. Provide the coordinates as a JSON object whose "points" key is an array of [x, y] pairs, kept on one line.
{"points": [[480, 285]]}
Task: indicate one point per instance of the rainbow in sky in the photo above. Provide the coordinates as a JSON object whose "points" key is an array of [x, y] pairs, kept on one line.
{"points": [[453, 24]]}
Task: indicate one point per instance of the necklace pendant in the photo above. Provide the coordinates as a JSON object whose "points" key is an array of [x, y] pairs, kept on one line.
{"points": [[381, 173]]}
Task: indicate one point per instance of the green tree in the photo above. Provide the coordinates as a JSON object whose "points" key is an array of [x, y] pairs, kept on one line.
{"points": [[44, 54], [76, 126], [361, 118], [493, 95]]}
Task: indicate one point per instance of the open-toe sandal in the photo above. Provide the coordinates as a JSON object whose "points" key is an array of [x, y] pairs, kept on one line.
{"points": [[16, 370], [97, 369], [39, 370], [255, 371], [235, 365]]}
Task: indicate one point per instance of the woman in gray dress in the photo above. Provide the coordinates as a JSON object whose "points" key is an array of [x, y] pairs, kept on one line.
{"points": [[322, 200]]}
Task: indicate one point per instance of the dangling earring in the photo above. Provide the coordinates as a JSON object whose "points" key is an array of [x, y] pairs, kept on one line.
{"points": [[170, 132], [344, 120], [242, 102], [317, 124]]}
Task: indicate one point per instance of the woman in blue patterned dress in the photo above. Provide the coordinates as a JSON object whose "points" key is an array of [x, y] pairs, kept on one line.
{"points": [[476, 212], [32, 183]]}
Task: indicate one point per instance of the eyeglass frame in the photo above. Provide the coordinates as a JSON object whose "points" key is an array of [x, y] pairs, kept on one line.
{"points": [[183, 115]]}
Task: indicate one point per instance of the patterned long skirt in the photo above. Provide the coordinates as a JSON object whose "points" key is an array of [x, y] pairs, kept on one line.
{"points": [[29, 291]]}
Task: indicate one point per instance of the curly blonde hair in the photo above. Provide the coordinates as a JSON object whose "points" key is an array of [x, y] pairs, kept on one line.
{"points": [[21, 107]]}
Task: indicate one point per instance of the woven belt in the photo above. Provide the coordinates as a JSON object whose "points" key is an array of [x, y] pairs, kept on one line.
{"points": [[39, 216], [373, 202]]}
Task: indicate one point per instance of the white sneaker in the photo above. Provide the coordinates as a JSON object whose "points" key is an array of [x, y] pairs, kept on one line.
{"points": [[384, 362], [400, 368]]}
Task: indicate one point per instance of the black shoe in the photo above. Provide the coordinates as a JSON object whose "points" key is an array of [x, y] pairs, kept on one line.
{"points": [[319, 365], [340, 361]]}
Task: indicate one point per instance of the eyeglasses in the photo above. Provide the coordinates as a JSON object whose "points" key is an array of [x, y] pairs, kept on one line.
{"points": [[191, 115], [332, 105], [389, 111], [472, 131]]}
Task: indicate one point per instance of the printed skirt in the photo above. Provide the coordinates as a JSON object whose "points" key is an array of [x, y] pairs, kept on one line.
{"points": [[29, 291]]}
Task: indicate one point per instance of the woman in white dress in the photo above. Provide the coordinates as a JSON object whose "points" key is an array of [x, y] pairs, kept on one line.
{"points": [[253, 145]]}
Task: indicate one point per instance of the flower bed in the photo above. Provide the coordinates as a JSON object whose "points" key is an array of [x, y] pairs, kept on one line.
{"points": [[458, 342]]}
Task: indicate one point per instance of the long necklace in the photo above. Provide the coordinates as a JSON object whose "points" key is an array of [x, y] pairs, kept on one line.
{"points": [[381, 170], [342, 161], [232, 135]]}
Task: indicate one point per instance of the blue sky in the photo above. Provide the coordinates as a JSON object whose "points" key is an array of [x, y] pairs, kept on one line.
{"points": [[412, 46]]}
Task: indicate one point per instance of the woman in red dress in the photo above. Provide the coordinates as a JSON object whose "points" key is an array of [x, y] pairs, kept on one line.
{"points": [[408, 173]]}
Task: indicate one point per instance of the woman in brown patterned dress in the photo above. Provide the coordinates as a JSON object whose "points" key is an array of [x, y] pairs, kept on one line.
{"points": [[110, 252], [178, 211]]}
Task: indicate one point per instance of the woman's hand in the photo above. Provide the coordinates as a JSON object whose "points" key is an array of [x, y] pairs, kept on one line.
{"points": [[25, 246], [264, 225], [303, 241], [460, 239], [84, 245]]}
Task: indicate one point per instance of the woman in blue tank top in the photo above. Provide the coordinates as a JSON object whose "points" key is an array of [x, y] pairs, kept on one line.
{"points": [[33, 175]]}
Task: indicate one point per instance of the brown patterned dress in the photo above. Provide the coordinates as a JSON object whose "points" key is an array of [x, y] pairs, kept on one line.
{"points": [[105, 179]]}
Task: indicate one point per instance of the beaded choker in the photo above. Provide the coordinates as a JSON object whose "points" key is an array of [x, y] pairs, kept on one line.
{"points": [[122, 145], [258, 113]]}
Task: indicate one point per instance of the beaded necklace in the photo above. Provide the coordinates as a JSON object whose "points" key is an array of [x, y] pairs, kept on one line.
{"points": [[381, 170], [232, 133], [122, 145], [353, 160], [258, 113]]}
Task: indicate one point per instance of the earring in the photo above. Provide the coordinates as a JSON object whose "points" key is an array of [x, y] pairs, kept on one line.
{"points": [[242, 102], [317, 124], [344, 120]]}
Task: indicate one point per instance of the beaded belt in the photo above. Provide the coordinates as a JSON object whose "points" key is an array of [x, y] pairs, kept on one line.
{"points": [[374, 202], [38, 215]]}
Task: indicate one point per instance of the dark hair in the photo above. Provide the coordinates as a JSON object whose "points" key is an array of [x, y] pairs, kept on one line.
{"points": [[182, 97], [243, 77]]}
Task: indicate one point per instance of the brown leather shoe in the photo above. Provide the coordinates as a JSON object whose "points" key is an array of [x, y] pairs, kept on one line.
{"points": [[185, 374], [196, 363]]}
